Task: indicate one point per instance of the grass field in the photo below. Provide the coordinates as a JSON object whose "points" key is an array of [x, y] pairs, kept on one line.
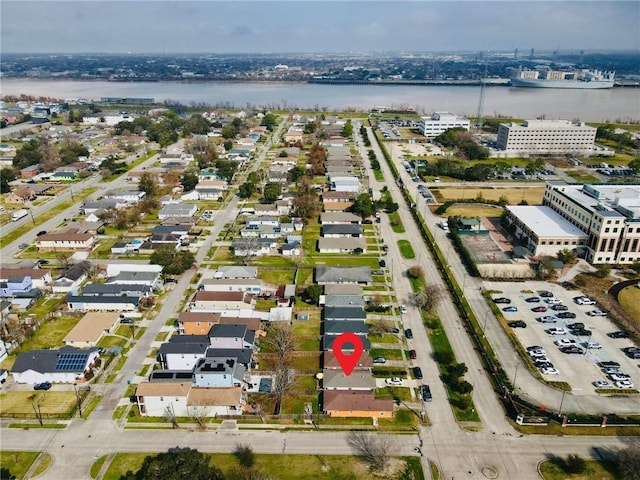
{"points": [[513, 194], [51, 403], [405, 249], [470, 210], [50, 333], [288, 467], [595, 470], [18, 463], [629, 298], [582, 176]]}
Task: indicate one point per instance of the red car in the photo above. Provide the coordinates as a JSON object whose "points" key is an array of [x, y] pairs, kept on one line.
{"points": [[540, 308], [412, 354]]}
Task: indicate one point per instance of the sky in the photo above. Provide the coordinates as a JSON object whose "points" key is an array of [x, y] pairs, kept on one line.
{"points": [[142, 26]]}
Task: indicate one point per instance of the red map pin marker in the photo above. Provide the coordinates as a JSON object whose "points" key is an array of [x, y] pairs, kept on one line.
{"points": [[348, 362]]}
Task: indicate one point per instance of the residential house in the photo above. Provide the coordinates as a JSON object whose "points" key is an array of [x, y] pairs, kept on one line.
{"points": [[261, 231], [291, 249], [236, 272], [342, 231], [341, 300], [338, 403], [231, 336], [342, 245], [144, 279], [211, 189], [219, 372], [179, 210], [222, 301], [342, 289], [250, 285], [72, 278], [257, 220], [91, 328], [292, 136], [360, 379], [345, 184], [162, 399], [30, 171], [182, 352], [197, 323], [330, 361], [338, 327], [216, 401], [40, 277], [340, 218], [266, 209], [358, 275], [64, 365], [20, 196], [102, 303], [137, 290], [173, 234], [254, 247], [347, 313], [96, 207], [65, 242], [15, 285], [328, 340], [125, 195]]}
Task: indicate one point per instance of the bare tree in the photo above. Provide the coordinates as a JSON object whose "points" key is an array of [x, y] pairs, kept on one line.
{"points": [[281, 339], [64, 259], [380, 327], [374, 449], [429, 297], [199, 414], [170, 415], [282, 384], [629, 462]]}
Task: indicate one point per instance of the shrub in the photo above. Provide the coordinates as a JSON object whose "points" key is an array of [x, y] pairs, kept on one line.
{"points": [[574, 463], [415, 272], [444, 357], [245, 455]]}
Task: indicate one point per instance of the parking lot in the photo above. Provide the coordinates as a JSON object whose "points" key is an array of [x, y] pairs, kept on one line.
{"points": [[579, 369]]}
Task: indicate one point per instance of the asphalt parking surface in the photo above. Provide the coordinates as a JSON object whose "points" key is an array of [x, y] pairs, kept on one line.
{"points": [[579, 370]]}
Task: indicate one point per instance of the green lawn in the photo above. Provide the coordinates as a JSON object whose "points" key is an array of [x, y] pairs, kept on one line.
{"points": [[405, 249], [595, 470], [50, 333], [18, 463], [286, 467], [396, 223], [388, 353]]}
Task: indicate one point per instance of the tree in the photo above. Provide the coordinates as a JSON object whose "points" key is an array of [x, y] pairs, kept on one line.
{"points": [[602, 271], [189, 181], [271, 192], [148, 184], [196, 124], [295, 174], [269, 121], [429, 297], [226, 169], [374, 449], [313, 292], [176, 464], [629, 462], [415, 272], [363, 205], [567, 256], [307, 203], [246, 189], [347, 130], [6, 175], [634, 165], [574, 463], [281, 339], [245, 455], [174, 262]]}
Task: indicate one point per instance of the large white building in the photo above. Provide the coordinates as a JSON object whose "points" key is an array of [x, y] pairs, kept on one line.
{"points": [[608, 214], [440, 122], [546, 137]]}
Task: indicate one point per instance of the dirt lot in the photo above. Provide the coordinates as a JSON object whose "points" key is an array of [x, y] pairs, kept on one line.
{"points": [[471, 210], [514, 195]]}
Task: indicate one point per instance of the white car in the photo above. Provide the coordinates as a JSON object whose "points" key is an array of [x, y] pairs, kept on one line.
{"points": [[556, 331], [592, 345], [537, 353], [596, 313], [549, 371], [565, 342], [393, 381], [546, 319], [619, 377], [584, 301], [624, 384], [403, 309], [552, 301], [602, 384]]}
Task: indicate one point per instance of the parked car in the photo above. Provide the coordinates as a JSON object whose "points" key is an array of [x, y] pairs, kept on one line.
{"points": [[602, 384], [583, 300], [618, 334], [545, 294], [403, 309], [417, 372], [549, 371], [616, 377], [596, 313], [556, 331], [510, 309], [22, 246], [379, 360], [393, 381], [42, 386], [408, 333], [517, 324], [575, 326], [608, 363], [538, 309], [552, 301], [546, 319], [572, 349], [382, 263], [534, 347], [624, 384], [532, 300], [41, 232], [559, 308], [591, 345], [581, 332], [424, 392], [565, 342], [502, 300], [412, 354], [566, 315], [42, 262]]}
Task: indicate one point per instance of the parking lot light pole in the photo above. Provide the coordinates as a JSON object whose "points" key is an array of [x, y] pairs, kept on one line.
{"points": [[586, 348], [484, 326], [515, 375], [561, 402]]}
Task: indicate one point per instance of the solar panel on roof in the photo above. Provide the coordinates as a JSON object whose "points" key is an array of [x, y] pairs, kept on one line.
{"points": [[70, 362]]}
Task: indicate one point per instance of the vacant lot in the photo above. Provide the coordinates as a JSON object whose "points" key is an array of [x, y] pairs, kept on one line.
{"points": [[22, 403], [18, 463], [298, 467], [470, 210], [513, 194]]}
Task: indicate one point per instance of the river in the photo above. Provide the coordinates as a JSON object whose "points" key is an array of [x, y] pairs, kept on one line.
{"points": [[616, 104]]}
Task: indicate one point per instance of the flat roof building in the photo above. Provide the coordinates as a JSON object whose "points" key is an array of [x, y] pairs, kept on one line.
{"points": [[440, 122], [546, 137]]}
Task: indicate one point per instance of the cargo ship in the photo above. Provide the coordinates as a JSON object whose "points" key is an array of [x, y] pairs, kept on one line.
{"points": [[563, 79]]}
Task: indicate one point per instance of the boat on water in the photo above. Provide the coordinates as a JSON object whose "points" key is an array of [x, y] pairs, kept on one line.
{"points": [[590, 79]]}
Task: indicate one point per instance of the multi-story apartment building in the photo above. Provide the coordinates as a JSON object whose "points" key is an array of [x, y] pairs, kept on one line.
{"points": [[546, 137], [608, 214], [440, 122]]}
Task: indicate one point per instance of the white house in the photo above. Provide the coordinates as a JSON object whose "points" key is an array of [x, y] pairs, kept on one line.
{"points": [[65, 365], [159, 399]]}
